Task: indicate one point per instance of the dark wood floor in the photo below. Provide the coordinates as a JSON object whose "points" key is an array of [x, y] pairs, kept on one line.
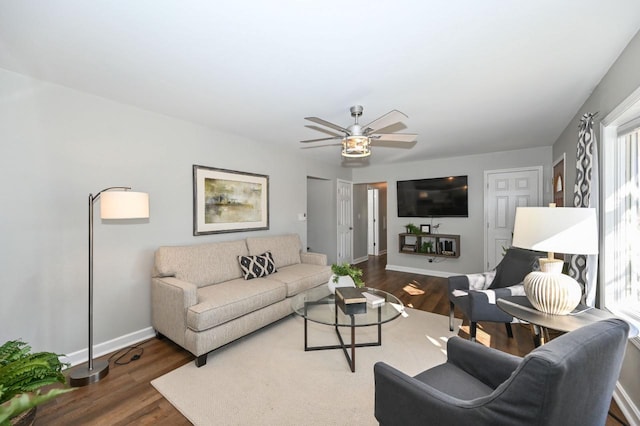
{"points": [[126, 396]]}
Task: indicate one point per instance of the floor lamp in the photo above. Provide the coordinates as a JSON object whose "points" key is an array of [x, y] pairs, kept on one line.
{"points": [[117, 203]]}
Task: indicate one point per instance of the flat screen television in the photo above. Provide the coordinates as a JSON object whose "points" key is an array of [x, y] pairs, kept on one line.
{"points": [[436, 197]]}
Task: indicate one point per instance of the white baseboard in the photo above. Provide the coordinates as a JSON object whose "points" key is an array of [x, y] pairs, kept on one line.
{"points": [[113, 345], [360, 260], [626, 405], [420, 271]]}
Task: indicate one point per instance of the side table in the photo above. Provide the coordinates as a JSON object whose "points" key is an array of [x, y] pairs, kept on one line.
{"points": [[520, 307]]}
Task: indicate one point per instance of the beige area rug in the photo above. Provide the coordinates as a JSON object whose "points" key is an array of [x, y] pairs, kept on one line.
{"points": [[268, 379]]}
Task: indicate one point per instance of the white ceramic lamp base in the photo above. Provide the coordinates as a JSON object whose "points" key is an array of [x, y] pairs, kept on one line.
{"points": [[552, 293], [343, 281]]}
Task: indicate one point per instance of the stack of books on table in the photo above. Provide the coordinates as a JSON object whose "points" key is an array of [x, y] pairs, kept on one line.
{"points": [[351, 300], [373, 300]]}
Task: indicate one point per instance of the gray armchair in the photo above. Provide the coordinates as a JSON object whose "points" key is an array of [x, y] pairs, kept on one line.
{"points": [[475, 294], [568, 381]]}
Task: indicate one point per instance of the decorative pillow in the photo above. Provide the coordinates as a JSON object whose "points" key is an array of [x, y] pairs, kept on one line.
{"points": [[257, 266]]}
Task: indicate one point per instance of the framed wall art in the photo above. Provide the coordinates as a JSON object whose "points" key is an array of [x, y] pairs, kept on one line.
{"points": [[229, 201]]}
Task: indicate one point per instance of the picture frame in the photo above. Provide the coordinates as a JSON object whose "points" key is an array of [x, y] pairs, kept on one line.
{"points": [[425, 229], [229, 201]]}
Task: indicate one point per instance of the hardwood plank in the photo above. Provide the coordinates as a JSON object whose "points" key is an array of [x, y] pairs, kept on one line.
{"points": [[126, 397]]}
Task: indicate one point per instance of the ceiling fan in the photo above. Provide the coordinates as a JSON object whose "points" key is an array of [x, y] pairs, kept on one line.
{"points": [[356, 140]]}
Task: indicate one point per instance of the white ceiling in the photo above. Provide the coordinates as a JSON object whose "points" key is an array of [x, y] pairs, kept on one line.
{"points": [[473, 76]]}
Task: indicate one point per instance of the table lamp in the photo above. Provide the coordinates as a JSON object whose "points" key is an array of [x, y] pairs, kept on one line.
{"points": [[117, 203], [568, 230]]}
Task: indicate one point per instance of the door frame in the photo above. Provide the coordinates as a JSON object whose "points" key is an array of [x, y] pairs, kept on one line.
{"points": [[338, 258], [373, 217], [539, 169]]}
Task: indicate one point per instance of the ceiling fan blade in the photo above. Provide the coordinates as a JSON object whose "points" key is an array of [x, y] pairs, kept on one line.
{"points": [[395, 137], [321, 146], [323, 130], [327, 124], [321, 139], [386, 120]]}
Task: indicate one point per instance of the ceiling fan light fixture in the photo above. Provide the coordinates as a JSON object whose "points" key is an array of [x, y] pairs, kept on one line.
{"points": [[356, 146]]}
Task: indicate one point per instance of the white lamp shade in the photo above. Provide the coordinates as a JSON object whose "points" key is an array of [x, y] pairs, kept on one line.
{"points": [[569, 230], [124, 205]]}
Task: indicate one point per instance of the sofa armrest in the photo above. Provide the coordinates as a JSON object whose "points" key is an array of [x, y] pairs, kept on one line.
{"points": [[490, 366], [170, 299], [313, 258]]}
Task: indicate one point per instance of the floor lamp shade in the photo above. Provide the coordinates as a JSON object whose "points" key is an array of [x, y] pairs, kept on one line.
{"points": [[124, 205], [567, 230], [117, 203]]}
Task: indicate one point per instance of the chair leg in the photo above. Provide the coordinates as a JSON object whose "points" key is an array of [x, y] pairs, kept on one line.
{"points": [[509, 329], [472, 330], [451, 308]]}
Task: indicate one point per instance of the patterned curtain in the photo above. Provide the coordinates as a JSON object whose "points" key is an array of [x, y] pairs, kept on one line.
{"points": [[583, 268]]}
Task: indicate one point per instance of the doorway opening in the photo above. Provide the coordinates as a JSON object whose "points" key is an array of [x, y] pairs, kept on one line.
{"points": [[369, 220]]}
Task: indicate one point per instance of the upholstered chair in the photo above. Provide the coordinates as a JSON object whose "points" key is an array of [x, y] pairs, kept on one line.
{"points": [[568, 381], [476, 294]]}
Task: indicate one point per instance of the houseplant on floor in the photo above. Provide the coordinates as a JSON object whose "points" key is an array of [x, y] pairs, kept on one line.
{"points": [[345, 275], [22, 375]]}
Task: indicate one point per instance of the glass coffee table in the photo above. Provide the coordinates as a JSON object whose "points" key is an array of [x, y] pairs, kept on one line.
{"points": [[319, 305]]}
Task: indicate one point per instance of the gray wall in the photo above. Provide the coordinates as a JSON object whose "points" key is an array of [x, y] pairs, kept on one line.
{"points": [[321, 217], [471, 229], [58, 145], [622, 79]]}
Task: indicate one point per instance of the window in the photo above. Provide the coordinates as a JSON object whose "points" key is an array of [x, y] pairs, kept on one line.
{"points": [[620, 276]]}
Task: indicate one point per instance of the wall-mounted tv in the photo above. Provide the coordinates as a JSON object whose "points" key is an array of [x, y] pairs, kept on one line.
{"points": [[436, 197]]}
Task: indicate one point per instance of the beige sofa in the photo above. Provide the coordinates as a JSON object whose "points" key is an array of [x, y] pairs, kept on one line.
{"points": [[201, 300]]}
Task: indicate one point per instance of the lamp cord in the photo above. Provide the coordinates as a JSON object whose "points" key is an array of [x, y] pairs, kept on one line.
{"points": [[133, 353]]}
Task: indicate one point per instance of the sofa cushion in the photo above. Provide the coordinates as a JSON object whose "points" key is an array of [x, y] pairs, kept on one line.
{"points": [[201, 264], [220, 303], [301, 277], [257, 266], [285, 248]]}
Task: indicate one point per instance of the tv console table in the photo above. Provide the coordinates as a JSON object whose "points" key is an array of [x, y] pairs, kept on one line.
{"points": [[431, 245]]}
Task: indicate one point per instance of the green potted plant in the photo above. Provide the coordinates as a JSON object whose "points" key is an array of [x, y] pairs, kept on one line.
{"points": [[345, 275], [412, 229], [22, 375]]}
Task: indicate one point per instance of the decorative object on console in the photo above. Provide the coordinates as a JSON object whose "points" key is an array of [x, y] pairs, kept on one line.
{"points": [[118, 202], [229, 201], [568, 230], [425, 229], [412, 229], [345, 275]]}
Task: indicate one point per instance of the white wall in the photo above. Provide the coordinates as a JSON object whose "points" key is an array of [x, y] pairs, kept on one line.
{"points": [[471, 229], [57, 146]]}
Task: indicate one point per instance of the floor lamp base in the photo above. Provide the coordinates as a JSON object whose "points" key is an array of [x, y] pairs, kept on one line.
{"points": [[82, 376]]}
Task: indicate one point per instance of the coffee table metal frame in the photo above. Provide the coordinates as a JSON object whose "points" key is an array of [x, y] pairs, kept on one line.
{"points": [[349, 350]]}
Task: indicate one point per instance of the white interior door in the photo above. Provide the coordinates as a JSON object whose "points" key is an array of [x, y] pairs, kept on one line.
{"points": [[504, 191], [372, 225], [345, 221]]}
